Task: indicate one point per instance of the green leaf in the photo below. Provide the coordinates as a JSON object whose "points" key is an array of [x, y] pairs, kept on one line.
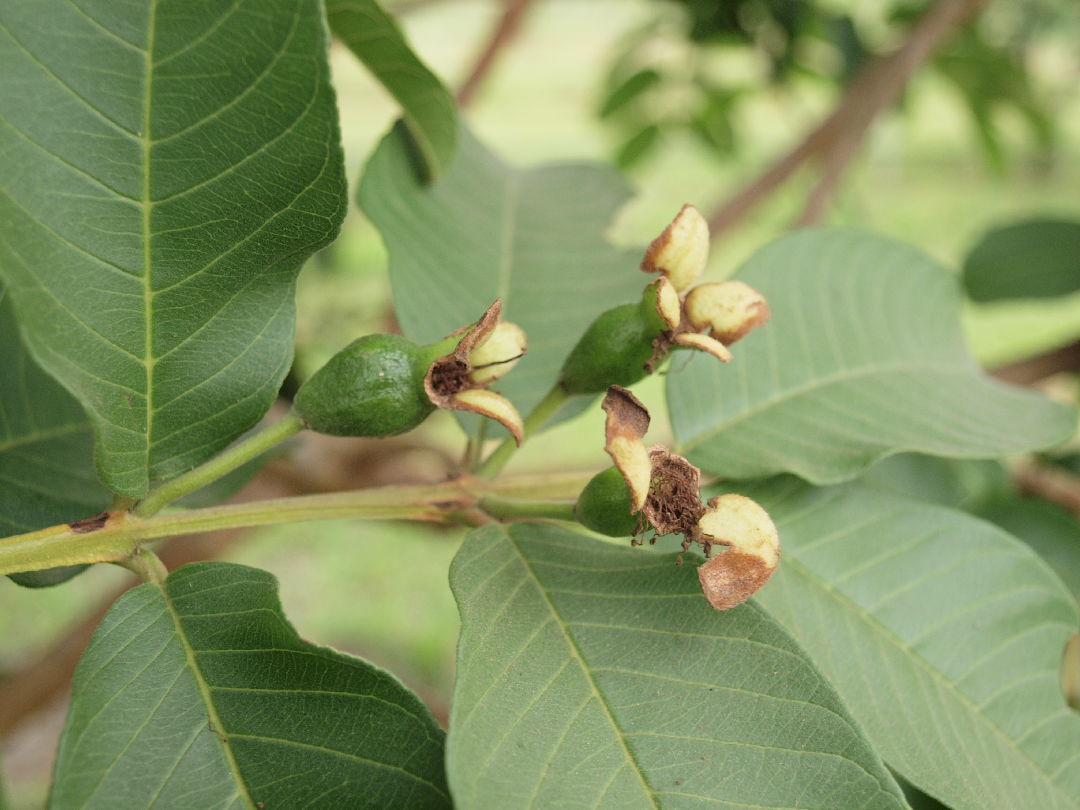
{"points": [[863, 358], [1052, 531], [596, 676], [165, 169], [200, 694], [945, 481], [942, 634], [430, 112], [635, 148], [628, 90], [46, 474], [1039, 258], [534, 238]]}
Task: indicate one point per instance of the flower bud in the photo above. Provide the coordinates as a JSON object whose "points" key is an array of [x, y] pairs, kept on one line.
{"points": [[681, 250], [498, 354], [730, 309], [732, 576]]}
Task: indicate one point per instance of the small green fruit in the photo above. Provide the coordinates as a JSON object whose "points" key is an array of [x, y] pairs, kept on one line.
{"points": [[373, 387], [615, 350], [604, 505]]}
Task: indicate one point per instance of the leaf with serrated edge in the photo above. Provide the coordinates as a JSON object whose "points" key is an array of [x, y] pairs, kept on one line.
{"points": [[430, 112], [533, 237], [596, 676], [942, 634], [165, 171], [199, 694], [46, 473], [863, 357]]}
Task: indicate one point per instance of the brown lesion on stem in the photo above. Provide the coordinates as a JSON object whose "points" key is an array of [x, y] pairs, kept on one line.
{"points": [[89, 524]]}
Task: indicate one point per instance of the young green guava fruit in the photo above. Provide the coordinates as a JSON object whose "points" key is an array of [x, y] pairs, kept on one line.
{"points": [[604, 505], [374, 387]]}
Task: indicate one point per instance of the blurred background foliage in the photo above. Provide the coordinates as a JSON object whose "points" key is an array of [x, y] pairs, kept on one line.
{"points": [[693, 99]]}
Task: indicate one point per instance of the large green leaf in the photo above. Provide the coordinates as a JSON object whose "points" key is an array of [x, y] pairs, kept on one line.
{"points": [[534, 238], [165, 167], [942, 634], [863, 358], [1039, 258], [46, 473], [1054, 532], [596, 676], [199, 694], [430, 113]]}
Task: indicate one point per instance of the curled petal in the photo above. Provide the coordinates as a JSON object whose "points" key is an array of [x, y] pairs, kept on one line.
{"points": [[668, 305], [681, 250], [626, 426], [492, 405], [498, 354], [731, 309], [731, 577], [694, 340]]}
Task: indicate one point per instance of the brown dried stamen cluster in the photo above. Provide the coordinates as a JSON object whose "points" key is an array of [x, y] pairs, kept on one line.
{"points": [[673, 505]]}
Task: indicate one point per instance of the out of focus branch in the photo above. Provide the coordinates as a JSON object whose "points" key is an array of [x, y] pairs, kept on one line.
{"points": [[1032, 369], [1051, 484], [836, 140], [501, 35]]}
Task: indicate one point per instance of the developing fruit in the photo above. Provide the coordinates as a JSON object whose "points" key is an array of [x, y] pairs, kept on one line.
{"points": [[383, 385]]}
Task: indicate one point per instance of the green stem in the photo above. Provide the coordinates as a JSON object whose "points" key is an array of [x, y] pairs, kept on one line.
{"points": [[533, 422], [220, 465], [505, 509], [146, 565], [122, 533]]}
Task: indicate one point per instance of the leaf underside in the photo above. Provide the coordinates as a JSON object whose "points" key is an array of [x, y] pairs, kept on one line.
{"points": [[167, 166], [46, 474], [596, 676], [863, 357], [533, 237], [202, 695], [942, 634], [429, 110]]}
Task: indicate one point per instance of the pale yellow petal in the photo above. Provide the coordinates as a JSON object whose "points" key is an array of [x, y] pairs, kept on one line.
{"points": [[732, 576], [498, 354], [668, 305], [632, 458], [693, 340], [681, 250], [731, 309], [492, 405]]}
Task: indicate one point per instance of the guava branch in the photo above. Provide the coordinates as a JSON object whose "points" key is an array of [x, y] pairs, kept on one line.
{"points": [[836, 140], [116, 536], [505, 30]]}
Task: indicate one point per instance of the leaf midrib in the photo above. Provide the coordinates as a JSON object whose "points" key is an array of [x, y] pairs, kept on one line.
{"points": [[586, 672], [216, 726], [843, 375], [146, 145], [909, 653]]}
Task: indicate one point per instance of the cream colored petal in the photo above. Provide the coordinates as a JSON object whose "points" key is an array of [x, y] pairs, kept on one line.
{"points": [[632, 458], [693, 340], [731, 309], [681, 250], [498, 354], [492, 405], [732, 576], [668, 305]]}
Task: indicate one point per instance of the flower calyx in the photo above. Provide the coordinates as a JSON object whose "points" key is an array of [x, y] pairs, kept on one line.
{"points": [[664, 490], [484, 353]]}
